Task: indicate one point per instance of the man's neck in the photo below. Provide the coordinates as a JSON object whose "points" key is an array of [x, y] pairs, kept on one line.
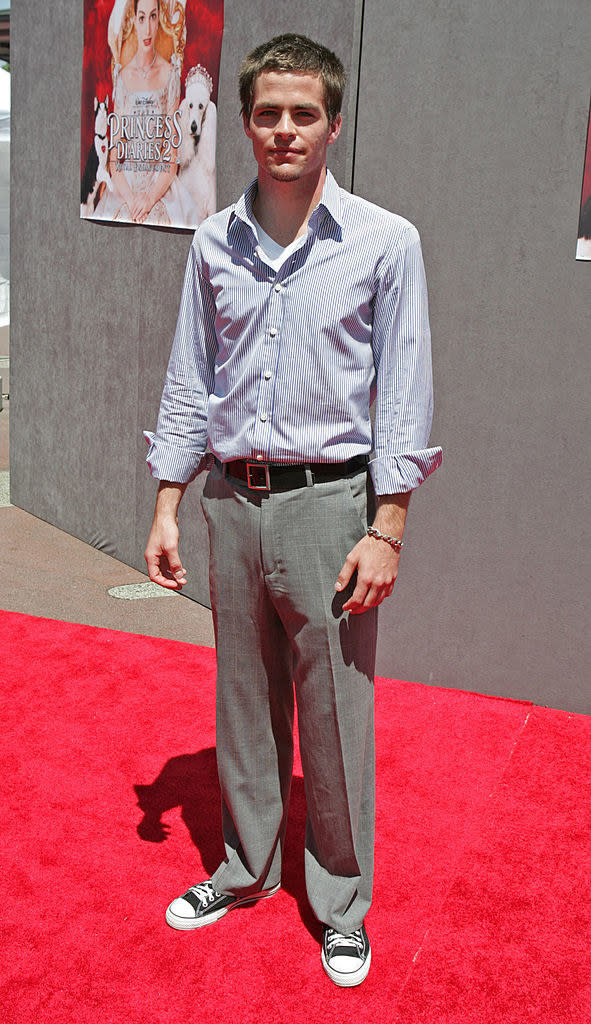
{"points": [[283, 208]]}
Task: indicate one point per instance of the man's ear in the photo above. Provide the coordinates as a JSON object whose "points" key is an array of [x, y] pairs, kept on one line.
{"points": [[335, 129], [246, 124]]}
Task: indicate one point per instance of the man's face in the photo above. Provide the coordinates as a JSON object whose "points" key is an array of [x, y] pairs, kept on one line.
{"points": [[288, 126]]}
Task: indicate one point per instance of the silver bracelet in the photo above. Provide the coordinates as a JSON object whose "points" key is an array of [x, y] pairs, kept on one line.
{"points": [[392, 541]]}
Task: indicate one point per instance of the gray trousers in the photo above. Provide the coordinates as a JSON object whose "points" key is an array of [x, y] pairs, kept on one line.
{"points": [[278, 620]]}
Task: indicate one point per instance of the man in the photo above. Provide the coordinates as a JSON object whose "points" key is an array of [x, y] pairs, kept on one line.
{"points": [[301, 304]]}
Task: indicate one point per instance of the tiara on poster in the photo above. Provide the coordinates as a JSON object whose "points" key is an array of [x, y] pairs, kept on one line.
{"points": [[199, 72]]}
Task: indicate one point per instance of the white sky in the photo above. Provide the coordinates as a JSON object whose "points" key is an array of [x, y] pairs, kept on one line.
{"points": [[4, 89]]}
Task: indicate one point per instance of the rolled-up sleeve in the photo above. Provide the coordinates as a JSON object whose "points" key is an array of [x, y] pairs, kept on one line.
{"points": [[401, 343], [177, 448]]}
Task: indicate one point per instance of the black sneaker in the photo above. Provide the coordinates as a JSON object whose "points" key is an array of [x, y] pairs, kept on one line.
{"points": [[201, 904], [346, 958]]}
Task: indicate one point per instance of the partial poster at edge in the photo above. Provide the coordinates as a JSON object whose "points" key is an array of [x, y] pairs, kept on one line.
{"points": [[584, 234], [149, 110]]}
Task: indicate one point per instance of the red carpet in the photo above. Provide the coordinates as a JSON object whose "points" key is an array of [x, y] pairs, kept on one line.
{"points": [[481, 911]]}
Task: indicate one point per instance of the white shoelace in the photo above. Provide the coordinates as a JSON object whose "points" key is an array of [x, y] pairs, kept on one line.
{"points": [[204, 892], [354, 939]]}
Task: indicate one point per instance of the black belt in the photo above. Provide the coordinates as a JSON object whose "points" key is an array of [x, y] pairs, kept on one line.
{"points": [[271, 476]]}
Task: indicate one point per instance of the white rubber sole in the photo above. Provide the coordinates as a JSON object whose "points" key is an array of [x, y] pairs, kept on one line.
{"points": [[347, 980], [188, 924]]}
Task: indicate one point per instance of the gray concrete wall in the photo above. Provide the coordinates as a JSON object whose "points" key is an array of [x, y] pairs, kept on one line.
{"points": [[472, 121]]}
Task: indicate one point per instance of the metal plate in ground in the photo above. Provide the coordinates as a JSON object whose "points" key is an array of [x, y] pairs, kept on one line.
{"points": [[137, 591], [4, 489]]}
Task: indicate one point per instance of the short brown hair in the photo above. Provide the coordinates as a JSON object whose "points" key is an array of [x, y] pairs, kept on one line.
{"points": [[297, 54]]}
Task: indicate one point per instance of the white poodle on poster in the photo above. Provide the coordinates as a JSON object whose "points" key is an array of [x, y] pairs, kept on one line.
{"points": [[196, 152]]}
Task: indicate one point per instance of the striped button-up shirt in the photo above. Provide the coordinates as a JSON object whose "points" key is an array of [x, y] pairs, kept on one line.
{"points": [[283, 366]]}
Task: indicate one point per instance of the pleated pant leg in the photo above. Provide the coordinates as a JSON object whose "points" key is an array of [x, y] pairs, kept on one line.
{"points": [[273, 565]]}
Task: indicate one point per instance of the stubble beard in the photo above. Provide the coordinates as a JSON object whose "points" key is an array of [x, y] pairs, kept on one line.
{"points": [[284, 173]]}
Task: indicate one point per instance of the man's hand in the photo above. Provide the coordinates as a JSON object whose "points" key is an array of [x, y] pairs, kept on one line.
{"points": [[162, 549], [375, 561], [377, 567]]}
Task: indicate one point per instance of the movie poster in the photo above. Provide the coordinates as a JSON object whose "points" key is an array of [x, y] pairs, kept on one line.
{"points": [[149, 95], [584, 236]]}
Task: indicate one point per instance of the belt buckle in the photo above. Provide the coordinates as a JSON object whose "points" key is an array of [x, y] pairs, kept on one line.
{"points": [[258, 466]]}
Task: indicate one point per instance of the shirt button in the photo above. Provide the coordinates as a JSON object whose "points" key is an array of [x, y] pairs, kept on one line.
{"points": [[273, 331], [263, 417], [267, 375], [278, 288], [260, 457]]}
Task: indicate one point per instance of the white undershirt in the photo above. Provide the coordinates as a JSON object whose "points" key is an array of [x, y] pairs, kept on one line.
{"points": [[275, 254]]}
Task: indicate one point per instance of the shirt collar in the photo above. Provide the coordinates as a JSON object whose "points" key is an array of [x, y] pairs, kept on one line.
{"points": [[243, 208], [330, 201]]}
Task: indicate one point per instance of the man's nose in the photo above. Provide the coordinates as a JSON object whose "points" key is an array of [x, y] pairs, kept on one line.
{"points": [[285, 124]]}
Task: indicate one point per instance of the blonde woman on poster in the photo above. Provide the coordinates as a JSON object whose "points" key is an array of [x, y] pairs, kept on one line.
{"points": [[145, 124]]}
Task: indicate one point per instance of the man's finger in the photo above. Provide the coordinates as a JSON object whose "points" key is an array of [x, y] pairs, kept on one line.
{"points": [[349, 566], [157, 566], [164, 581], [155, 574], [370, 598], [358, 598], [174, 564]]}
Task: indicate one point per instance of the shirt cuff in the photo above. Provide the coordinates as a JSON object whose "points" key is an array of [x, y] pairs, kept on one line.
{"points": [[171, 462], [396, 474]]}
